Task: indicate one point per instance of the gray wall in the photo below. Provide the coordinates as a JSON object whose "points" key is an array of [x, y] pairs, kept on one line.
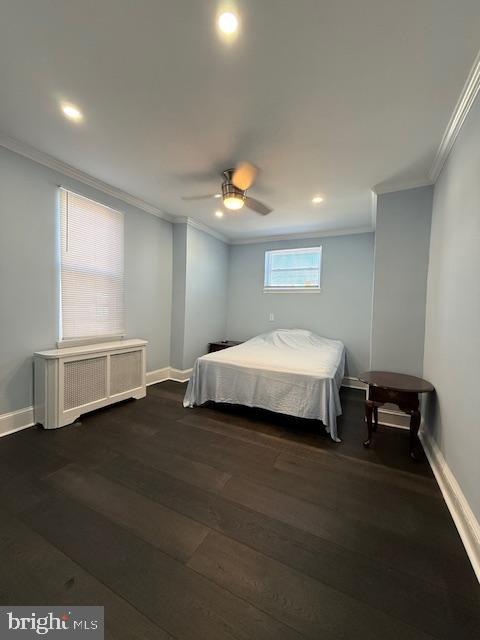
{"points": [[206, 294], [342, 310], [29, 275], [178, 295], [401, 261], [200, 293], [452, 335]]}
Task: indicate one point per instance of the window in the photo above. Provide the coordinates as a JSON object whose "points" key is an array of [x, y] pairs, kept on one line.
{"points": [[293, 269], [91, 270]]}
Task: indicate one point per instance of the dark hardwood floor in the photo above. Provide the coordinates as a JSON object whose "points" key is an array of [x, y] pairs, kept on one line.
{"points": [[231, 523]]}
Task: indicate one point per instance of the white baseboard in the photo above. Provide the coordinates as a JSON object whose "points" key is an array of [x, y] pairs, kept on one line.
{"points": [[23, 418], [159, 375], [386, 416], [177, 375], [354, 383], [168, 373], [16, 421], [463, 516], [393, 418]]}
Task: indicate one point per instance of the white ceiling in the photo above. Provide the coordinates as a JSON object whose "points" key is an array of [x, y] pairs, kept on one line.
{"points": [[330, 96]]}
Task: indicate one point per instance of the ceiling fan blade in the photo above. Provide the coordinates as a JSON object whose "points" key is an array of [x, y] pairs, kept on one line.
{"points": [[205, 197], [244, 175], [257, 206]]}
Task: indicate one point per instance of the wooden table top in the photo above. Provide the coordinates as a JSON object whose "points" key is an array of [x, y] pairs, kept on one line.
{"points": [[396, 381]]}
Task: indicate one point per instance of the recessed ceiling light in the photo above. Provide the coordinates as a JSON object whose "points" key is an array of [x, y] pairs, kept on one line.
{"points": [[317, 199], [217, 195], [228, 22], [72, 113], [219, 213]]}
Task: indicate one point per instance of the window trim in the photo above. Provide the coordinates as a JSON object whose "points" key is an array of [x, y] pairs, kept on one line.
{"points": [[293, 288]]}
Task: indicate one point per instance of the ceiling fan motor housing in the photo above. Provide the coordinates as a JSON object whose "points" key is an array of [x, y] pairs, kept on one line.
{"points": [[229, 190]]}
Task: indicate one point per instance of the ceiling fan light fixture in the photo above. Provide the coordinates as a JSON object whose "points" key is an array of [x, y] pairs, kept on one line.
{"points": [[236, 183], [233, 202], [233, 197]]}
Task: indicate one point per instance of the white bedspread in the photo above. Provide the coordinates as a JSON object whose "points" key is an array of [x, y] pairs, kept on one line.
{"points": [[289, 371]]}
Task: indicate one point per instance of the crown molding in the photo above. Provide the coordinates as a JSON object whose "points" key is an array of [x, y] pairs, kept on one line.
{"points": [[66, 169], [382, 189], [374, 198], [302, 236], [275, 238], [196, 224], [458, 117], [51, 162]]}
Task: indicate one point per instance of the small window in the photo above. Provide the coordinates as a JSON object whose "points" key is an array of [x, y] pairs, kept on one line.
{"points": [[91, 270], [293, 269]]}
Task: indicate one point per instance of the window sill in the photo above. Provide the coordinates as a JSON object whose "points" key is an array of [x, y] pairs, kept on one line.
{"points": [[81, 342], [291, 290]]}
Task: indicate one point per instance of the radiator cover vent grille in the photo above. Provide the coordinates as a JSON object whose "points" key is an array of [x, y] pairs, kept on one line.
{"points": [[85, 381], [125, 372]]}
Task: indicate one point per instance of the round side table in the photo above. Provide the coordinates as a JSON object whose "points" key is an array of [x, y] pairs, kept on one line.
{"points": [[396, 388]]}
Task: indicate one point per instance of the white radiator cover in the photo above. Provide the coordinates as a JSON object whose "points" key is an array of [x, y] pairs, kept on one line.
{"points": [[75, 380]]}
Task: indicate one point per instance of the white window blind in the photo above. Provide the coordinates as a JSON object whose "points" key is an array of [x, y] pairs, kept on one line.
{"points": [[91, 273], [293, 269]]}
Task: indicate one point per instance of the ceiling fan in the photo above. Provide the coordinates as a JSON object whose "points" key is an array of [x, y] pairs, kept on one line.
{"points": [[234, 190]]}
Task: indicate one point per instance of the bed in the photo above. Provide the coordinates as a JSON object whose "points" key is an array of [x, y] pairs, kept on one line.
{"points": [[290, 371]]}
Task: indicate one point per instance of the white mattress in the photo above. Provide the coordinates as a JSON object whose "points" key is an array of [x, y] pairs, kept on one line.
{"points": [[289, 371]]}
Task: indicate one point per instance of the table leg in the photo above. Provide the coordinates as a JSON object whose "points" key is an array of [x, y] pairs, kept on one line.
{"points": [[369, 407], [375, 417], [414, 427]]}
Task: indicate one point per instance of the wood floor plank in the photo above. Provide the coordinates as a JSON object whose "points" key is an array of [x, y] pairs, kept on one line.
{"points": [[213, 449], [33, 571], [151, 406], [19, 453], [164, 392], [126, 419], [369, 503], [256, 461], [318, 517], [179, 466], [304, 463], [313, 609], [185, 604], [292, 453], [199, 419], [392, 449], [425, 606], [76, 445], [368, 489], [105, 437], [168, 530], [105, 430], [21, 492], [435, 564]]}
